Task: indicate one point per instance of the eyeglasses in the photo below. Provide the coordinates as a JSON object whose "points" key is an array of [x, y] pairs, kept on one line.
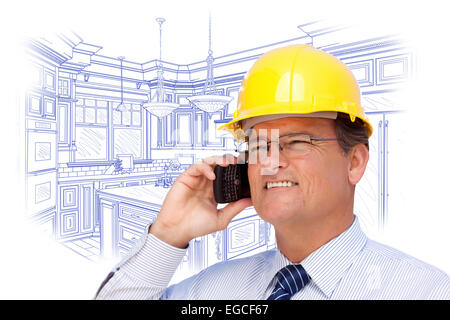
{"points": [[292, 145]]}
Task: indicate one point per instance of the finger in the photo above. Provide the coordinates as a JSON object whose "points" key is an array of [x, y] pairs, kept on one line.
{"points": [[231, 210], [221, 160], [199, 169]]}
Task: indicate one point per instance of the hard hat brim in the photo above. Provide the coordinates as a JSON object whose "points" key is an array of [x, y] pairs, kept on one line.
{"points": [[234, 125]]}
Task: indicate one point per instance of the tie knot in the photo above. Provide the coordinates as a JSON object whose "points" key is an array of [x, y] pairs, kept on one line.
{"points": [[291, 279]]}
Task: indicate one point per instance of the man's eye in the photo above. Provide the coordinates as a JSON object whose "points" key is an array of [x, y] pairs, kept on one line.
{"points": [[296, 144], [258, 148], [254, 148]]}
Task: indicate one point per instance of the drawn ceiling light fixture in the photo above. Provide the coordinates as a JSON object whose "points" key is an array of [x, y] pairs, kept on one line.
{"points": [[121, 107], [210, 100], [161, 107]]}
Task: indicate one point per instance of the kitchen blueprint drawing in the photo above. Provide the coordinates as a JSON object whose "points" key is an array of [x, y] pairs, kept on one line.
{"points": [[99, 159]]}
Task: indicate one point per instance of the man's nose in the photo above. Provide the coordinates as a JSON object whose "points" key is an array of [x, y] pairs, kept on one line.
{"points": [[275, 160]]}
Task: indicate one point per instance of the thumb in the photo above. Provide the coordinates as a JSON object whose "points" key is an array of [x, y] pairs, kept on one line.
{"points": [[231, 210]]}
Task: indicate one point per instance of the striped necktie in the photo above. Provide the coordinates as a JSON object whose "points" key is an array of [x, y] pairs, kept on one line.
{"points": [[291, 279]]}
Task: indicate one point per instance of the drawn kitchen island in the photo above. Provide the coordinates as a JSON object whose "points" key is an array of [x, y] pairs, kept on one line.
{"points": [[125, 213]]}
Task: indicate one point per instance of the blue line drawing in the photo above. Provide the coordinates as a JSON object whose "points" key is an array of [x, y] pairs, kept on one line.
{"points": [[98, 165]]}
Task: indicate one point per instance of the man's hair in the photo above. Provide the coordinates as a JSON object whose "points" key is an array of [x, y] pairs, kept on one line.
{"points": [[350, 133]]}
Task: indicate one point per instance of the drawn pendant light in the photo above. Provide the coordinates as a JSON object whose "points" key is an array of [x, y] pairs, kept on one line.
{"points": [[121, 107], [159, 106], [210, 100]]}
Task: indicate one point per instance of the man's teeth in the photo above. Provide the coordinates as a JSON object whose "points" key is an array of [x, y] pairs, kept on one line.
{"points": [[280, 184]]}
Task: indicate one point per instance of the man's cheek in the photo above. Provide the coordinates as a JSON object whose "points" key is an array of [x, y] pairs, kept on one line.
{"points": [[307, 184], [256, 185], [313, 185]]}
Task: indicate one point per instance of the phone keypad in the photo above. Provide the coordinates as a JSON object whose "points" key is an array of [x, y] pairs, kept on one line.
{"points": [[231, 181]]}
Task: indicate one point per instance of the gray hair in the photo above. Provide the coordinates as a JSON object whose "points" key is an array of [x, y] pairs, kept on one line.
{"points": [[350, 133]]}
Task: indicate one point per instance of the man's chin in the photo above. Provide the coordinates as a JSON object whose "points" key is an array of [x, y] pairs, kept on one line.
{"points": [[274, 214]]}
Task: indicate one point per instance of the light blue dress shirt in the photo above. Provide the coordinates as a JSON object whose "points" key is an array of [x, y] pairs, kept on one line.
{"points": [[350, 266]]}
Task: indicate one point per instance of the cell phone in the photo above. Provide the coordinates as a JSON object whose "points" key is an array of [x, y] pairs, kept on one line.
{"points": [[231, 183]]}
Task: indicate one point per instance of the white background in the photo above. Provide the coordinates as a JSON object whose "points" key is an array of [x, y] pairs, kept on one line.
{"points": [[33, 267]]}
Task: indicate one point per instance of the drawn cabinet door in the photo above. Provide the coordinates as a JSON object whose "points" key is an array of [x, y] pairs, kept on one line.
{"points": [[368, 193], [399, 174], [41, 150], [379, 194], [87, 208], [76, 210]]}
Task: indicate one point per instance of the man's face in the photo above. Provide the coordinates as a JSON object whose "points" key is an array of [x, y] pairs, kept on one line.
{"points": [[319, 181]]}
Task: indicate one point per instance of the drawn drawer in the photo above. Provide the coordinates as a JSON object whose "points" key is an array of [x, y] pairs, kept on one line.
{"points": [[129, 234], [137, 214]]}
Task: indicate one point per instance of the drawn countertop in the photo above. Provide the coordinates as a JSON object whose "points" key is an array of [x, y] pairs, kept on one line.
{"points": [[143, 194]]}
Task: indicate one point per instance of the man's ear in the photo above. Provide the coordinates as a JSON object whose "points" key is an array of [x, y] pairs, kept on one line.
{"points": [[358, 158]]}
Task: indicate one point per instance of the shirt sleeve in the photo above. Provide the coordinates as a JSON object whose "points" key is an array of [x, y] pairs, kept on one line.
{"points": [[145, 274]]}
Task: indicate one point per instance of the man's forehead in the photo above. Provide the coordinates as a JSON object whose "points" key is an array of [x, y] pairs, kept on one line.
{"points": [[254, 121], [283, 126]]}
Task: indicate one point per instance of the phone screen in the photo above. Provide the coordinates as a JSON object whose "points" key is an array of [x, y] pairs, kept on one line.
{"points": [[231, 183]]}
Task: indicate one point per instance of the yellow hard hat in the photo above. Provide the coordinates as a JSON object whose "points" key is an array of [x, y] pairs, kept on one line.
{"points": [[296, 79]]}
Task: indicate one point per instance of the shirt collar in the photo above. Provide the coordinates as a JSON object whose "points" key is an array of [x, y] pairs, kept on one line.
{"points": [[327, 264]]}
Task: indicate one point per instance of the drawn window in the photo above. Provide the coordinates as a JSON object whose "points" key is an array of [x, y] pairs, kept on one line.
{"points": [[102, 116], [212, 136], [127, 130], [169, 130], [136, 116], [183, 131], [91, 117], [128, 141], [63, 87], [199, 129], [100, 136], [231, 107], [91, 143], [132, 116], [126, 118], [92, 112]]}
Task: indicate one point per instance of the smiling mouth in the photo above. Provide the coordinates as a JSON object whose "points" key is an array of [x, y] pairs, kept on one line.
{"points": [[280, 184]]}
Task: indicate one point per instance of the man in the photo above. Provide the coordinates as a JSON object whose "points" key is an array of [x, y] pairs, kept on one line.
{"points": [[300, 117]]}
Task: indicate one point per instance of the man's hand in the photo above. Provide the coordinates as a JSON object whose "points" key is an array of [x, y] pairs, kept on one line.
{"points": [[189, 209]]}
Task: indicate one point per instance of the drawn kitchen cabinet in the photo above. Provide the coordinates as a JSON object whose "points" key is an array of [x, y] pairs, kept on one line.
{"points": [[395, 169], [64, 127], [49, 108], [41, 150], [378, 193], [41, 192], [41, 105], [69, 223], [110, 185], [46, 222], [49, 83], [128, 235], [213, 137], [34, 104], [69, 197], [124, 213], [76, 210], [131, 224], [246, 235], [184, 123]]}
